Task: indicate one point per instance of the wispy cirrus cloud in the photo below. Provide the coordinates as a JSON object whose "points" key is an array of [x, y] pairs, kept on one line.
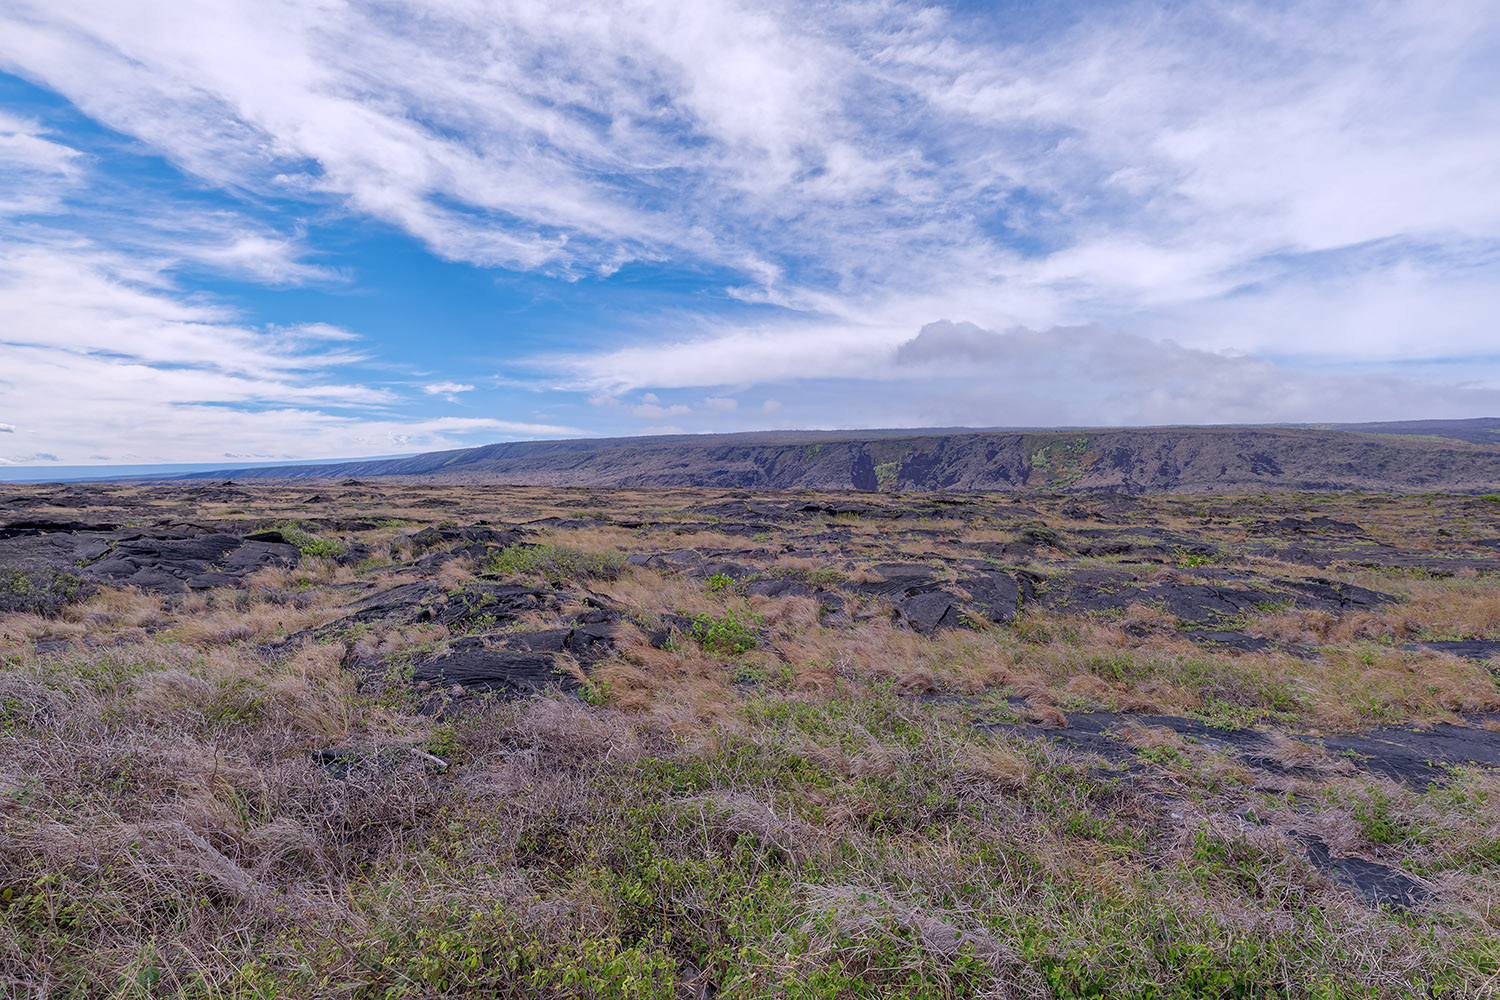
{"points": [[35, 169], [849, 160], [101, 353]]}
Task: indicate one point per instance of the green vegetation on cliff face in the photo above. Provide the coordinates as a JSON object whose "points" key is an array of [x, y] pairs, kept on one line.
{"points": [[1061, 463]]}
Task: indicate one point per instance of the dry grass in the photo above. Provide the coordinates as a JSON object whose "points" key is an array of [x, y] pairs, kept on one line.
{"points": [[1290, 752], [651, 593], [454, 574], [681, 688], [815, 816]]}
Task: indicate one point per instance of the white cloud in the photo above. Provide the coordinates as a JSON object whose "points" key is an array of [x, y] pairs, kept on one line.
{"points": [[1145, 157], [1318, 183], [449, 389], [35, 171], [721, 404], [228, 247], [653, 411], [43, 177], [105, 357], [960, 373], [87, 303], [23, 145], [729, 355], [7, 428]]}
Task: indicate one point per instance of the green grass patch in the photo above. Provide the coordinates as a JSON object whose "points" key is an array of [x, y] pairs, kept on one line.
{"points": [[555, 563]]}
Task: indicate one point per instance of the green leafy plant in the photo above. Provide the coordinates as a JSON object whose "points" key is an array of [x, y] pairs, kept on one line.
{"points": [[720, 581], [310, 545], [595, 691], [1163, 755], [732, 632], [1379, 821]]}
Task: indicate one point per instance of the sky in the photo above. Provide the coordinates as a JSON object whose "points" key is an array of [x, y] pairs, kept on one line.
{"points": [[264, 230]]}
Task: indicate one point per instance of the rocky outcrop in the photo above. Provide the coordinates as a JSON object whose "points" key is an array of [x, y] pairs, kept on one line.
{"points": [[172, 558]]}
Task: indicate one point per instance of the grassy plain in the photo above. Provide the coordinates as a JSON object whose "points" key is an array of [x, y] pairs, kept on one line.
{"points": [[778, 773]]}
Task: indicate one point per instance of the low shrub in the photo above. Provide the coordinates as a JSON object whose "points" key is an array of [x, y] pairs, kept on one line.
{"points": [[732, 632], [310, 545], [40, 591]]}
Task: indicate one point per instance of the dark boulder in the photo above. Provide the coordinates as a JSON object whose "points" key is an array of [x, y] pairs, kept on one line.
{"points": [[254, 555], [17, 529], [587, 643], [477, 535], [1218, 639], [1331, 596], [928, 610], [899, 580]]}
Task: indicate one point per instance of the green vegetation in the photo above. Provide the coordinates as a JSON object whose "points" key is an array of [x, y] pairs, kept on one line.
{"points": [[735, 631], [852, 846], [554, 563], [310, 545], [1058, 464], [41, 591]]}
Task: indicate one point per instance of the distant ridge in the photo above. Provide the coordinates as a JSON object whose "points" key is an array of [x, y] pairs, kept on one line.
{"points": [[1454, 456], [1479, 430]]}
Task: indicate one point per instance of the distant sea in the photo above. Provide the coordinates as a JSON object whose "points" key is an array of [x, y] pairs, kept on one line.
{"points": [[75, 473]]}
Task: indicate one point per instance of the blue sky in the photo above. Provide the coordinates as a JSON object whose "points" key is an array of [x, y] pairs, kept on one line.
{"points": [[249, 230]]}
